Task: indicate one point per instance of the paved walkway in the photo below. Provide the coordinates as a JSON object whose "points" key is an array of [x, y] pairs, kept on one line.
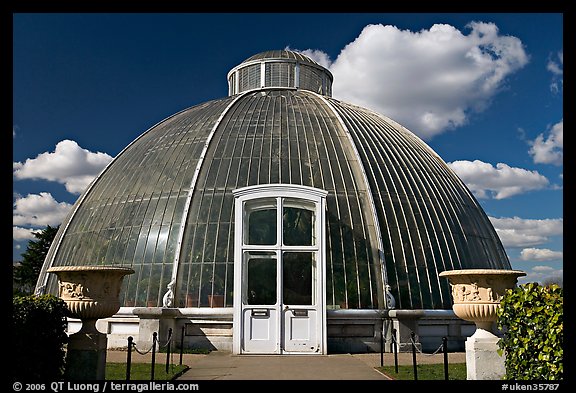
{"points": [[222, 365]]}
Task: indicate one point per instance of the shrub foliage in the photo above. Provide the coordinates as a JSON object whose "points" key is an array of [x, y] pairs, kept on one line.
{"points": [[38, 338], [531, 317]]}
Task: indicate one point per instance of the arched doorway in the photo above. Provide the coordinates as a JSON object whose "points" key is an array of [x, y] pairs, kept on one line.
{"points": [[279, 270]]}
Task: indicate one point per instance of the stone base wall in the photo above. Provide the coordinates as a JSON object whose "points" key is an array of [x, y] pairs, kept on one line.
{"points": [[349, 331]]}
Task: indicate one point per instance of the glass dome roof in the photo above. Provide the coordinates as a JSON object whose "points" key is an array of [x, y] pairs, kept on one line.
{"points": [[280, 54], [397, 215]]}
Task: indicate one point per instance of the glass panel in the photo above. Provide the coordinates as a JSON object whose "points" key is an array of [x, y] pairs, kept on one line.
{"points": [[154, 288], [219, 280], [261, 222], [229, 285], [280, 74], [206, 281], [142, 286], [249, 77], [261, 270], [121, 246], [298, 278], [298, 226], [151, 244], [221, 254], [210, 242], [161, 245]]}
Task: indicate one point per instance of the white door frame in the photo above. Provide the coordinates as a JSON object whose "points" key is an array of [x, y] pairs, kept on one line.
{"points": [[309, 195]]}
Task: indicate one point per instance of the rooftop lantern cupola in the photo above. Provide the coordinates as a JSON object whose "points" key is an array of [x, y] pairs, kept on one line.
{"points": [[280, 69]]}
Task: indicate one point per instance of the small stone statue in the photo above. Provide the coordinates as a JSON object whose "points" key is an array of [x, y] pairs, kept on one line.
{"points": [[391, 302]]}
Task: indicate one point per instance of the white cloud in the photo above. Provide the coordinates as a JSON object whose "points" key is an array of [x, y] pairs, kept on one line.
{"points": [[19, 233], [520, 232], [499, 182], [69, 164], [557, 70], [430, 80], [39, 210], [513, 238], [542, 274], [549, 150], [541, 268], [540, 254], [318, 56]]}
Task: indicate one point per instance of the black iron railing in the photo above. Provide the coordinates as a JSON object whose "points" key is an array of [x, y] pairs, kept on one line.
{"points": [[153, 348], [394, 349]]}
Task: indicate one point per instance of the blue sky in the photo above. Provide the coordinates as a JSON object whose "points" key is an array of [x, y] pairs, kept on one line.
{"points": [[485, 91]]}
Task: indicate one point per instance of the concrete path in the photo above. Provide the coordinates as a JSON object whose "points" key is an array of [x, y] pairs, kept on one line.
{"points": [[220, 365]]}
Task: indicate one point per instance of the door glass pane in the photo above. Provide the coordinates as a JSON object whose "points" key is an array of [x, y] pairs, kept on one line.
{"points": [[298, 276], [261, 270], [261, 223], [298, 226]]}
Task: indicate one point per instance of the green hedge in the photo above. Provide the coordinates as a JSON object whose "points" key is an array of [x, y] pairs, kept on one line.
{"points": [[531, 317], [38, 338]]}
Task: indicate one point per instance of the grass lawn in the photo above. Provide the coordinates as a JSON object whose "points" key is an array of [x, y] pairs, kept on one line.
{"points": [[426, 372], [142, 371]]}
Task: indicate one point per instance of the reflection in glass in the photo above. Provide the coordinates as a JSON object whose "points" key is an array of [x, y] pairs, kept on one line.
{"points": [[262, 227], [298, 226], [261, 288], [297, 273]]}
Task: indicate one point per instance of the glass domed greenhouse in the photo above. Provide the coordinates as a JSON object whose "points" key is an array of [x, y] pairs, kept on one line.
{"points": [[280, 204]]}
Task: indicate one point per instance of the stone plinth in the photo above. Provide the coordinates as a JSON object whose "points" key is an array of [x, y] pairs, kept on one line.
{"points": [[482, 359], [155, 320]]}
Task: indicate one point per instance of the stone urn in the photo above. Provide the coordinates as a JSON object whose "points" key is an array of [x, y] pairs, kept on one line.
{"points": [[476, 294], [90, 293]]}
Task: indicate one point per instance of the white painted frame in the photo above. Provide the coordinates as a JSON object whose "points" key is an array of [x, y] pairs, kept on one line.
{"points": [[280, 191]]}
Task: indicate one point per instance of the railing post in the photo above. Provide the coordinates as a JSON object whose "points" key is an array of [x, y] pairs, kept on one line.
{"points": [[154, 340], [395, 348], [414, 356], [445, 350], [182, 343], [168, 349], [129, 357]]}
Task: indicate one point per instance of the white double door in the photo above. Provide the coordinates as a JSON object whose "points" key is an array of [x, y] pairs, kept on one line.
{"points": [[280, 314], [279, 272]]}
